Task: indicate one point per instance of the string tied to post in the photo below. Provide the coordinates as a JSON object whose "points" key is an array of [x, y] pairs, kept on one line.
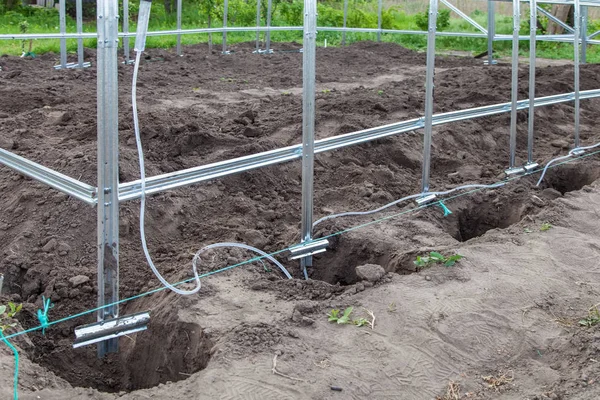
{"points": [[43, 315], [444, 208]]}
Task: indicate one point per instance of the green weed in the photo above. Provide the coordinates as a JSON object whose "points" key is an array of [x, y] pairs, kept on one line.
{"points": [[436, 258], [592, 319], [7, 313], [545, 227]]}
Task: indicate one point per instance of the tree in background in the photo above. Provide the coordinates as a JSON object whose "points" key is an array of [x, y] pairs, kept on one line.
{"points": [[565, 14]]}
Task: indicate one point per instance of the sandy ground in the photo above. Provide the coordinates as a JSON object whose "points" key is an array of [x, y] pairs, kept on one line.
{"points": [[500, 324]]}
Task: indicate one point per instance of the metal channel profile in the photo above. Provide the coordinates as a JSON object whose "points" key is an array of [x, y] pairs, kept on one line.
{"points": [[308, 124], [111, 329], [430, 73], [307, 249], [131, 190], [108, 168], [512, 169], [56, 180]]}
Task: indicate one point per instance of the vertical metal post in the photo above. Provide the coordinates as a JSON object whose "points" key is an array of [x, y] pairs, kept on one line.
{"points": [[268, 38], [433, 11], [257, 26], [379, 12], [532, 55], [584, 33], [179, 27], [62, 12], [308, 122], [108, 167], [576, 45], [345, 22], [126, 31], [225, 8], [515, 81], [491, 32], [79, 17]]}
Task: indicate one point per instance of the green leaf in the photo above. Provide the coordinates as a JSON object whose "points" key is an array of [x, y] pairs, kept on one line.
{"points": [[2, 310], [333, 315], [344, 319], [437, 256], [450, 263]]}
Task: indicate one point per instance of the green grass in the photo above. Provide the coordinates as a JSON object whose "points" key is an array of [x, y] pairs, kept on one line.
{"points": [[241, 13]]}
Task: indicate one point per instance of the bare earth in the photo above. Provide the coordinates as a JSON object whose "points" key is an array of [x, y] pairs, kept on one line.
{"points": [[503, 323]]}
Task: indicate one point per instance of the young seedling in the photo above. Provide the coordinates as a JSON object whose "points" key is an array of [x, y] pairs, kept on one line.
{"points": [[380, 92], [436, 258], [285, 93], [593, 317], [334, 316], [325, 91], [545, 227], [7, 314]]}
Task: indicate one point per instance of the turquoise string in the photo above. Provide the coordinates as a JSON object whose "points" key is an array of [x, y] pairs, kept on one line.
{"points": [[16, 353], [43, 315], [444, 208]]}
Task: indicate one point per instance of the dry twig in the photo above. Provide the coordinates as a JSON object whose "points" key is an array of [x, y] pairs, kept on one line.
{"points": [[275, 372]]}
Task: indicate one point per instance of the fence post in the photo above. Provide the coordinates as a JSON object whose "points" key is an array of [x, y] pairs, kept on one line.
{"points": [[63, 30], [179, 28], [577, 35], [345, 22], [491, 32], [433, 11], [308, 123], [108, 167], [379, 16], [225, 8], [515, 82], [532, 54]]}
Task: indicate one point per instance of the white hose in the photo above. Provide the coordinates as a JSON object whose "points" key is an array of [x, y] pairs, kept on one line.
{"points": [[196, 258], [563, 158], [413, 196]]}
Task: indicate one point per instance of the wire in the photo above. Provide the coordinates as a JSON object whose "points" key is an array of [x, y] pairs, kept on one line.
{"points": [[413, 196], [570, 154]]}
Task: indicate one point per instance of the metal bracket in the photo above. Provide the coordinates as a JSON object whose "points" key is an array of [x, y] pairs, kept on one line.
{"points": [[73, 65], [515, 171], [494, 62], [307, 249], [530, 167], [226, 52], [426, 199], [110, 329], [577, 152]]}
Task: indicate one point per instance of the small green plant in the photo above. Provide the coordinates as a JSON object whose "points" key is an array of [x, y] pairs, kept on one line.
{"points": [[392, 307], [325, 91], [334, 316], [593, 317], [285, 93], [380, 92], [545, 227], [7, 314], [527, 230], [437, 258]]}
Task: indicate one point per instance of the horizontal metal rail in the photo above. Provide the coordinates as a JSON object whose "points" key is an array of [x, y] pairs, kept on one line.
{"points": [[27, 36], [159, 183], [61, 182]]}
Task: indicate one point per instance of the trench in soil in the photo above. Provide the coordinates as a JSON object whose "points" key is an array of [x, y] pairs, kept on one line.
{"points": [[470, 219], [168, 351]]}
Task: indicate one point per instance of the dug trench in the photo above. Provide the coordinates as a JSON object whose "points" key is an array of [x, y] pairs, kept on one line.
{"points": [[194, 118]]}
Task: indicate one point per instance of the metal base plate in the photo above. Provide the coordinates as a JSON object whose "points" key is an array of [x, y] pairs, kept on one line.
{"points": [[514, 171], [110, 329], [530, 167], [577, 152], [426, 199], [73, 65], [307, 249]]}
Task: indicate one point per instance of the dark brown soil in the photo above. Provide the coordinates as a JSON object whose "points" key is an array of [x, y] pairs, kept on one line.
{"points": [[203, 108]]}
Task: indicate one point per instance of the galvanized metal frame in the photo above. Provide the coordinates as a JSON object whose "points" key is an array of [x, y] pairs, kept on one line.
{"points": [[108, 167], [110, 192]]}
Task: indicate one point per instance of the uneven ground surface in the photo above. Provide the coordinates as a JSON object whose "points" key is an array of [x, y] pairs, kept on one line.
{"points": [[501, 324]]}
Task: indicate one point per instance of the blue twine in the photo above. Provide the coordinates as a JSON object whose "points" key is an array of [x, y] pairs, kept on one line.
{"points": [[444, 208], [43, 315], [16, 353]]}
